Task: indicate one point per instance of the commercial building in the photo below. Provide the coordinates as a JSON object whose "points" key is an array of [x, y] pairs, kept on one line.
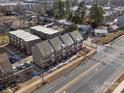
{"points": [[23, 40], [44, 33]]}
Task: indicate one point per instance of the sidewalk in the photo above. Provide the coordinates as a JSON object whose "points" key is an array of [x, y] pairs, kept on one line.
{"points": [[3, 45], [36, 82], [120, 88], [74, 81]]}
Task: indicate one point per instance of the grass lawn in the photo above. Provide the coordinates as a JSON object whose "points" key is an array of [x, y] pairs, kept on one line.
{"points": [[110, 37], [4, 39]]}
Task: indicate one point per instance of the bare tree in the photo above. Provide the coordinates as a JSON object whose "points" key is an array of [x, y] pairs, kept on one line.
{"points": [[3, 10]]}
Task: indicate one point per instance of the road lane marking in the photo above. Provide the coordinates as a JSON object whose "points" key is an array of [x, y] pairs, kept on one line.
{"points": [[68, 85], [79, 77]]}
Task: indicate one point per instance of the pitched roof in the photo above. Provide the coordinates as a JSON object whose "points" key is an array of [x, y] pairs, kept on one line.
{"points": [[56, 43], [5, 64], [45, 48], [76, 36], [67, 39]]}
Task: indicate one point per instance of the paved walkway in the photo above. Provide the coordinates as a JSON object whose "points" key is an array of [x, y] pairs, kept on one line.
{"points": [[1, 46]]}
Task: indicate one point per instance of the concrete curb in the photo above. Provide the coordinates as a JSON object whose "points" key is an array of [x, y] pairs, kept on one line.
{"points": [[54, 75]]}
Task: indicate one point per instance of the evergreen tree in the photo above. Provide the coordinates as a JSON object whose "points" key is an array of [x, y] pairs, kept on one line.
{"points": [[81, 11], [58, 9], [96, 14]]}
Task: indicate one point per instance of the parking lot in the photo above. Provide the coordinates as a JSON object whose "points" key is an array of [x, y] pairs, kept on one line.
{"points": [[14, 54]]}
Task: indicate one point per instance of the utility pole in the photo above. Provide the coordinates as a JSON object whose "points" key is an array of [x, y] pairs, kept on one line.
{"points": [[42, 75]]}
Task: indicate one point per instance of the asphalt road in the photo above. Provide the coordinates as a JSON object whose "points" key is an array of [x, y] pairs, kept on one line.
{"points": [[99, 78], [52, 87]]}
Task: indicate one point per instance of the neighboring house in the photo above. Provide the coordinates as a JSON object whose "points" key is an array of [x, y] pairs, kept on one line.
{"points": [[112, 28], [112, 13], [101, 32], [120, 21], [14, 26], [109, 16], [43, 20], [84, 30], [66, 25], [2, 28], [6, 70]]}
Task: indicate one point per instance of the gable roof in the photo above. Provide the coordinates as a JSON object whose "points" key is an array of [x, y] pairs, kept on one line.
{"points": [[56, 43], [67, 39], [76, 36], [45, 48], [5, 65]]}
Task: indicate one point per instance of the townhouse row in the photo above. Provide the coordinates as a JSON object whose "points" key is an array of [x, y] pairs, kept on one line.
{"points": [[57, 49]]}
